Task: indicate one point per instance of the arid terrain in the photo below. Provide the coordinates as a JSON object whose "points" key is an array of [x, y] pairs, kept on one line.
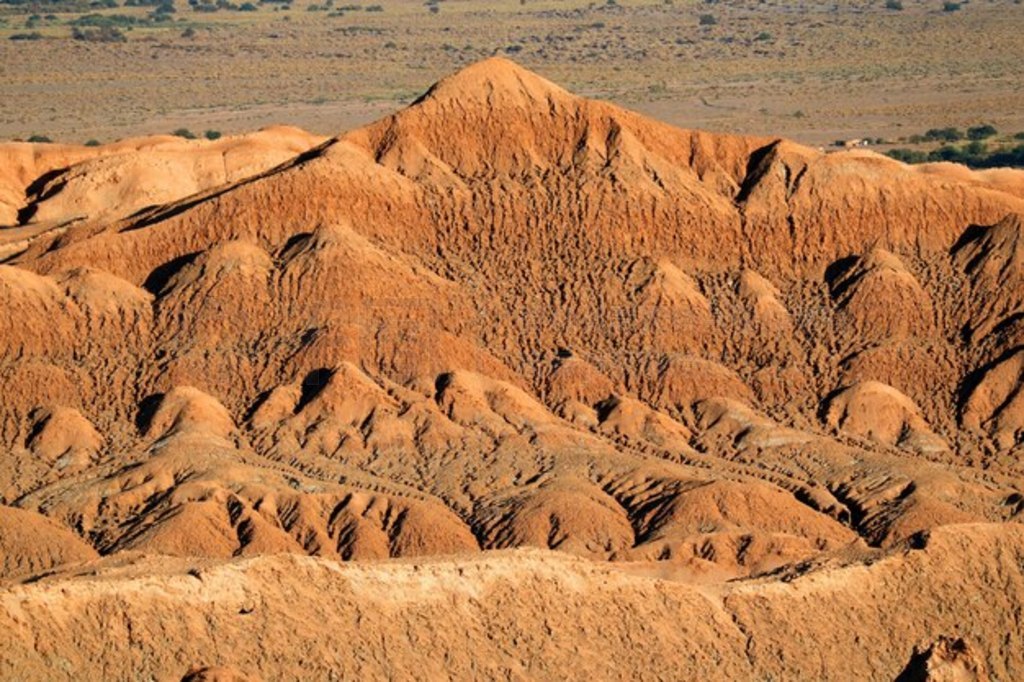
{"points": [[814, 71], [511, 383]]}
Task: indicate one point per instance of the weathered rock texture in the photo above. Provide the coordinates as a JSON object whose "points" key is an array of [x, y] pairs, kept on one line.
{"points": [[508, 317]]}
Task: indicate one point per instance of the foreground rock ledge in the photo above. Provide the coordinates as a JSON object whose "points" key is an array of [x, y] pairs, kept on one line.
{"points": [[518, 614]]}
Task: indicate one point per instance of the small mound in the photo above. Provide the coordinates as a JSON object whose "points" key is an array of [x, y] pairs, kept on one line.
{"points": [[878, 412], [64, 438], [739, 527], [674, 311], [878, 298], [237, 259], [430, 529], [722, 420], [575, 379], [199, 529], [474, 399], [101, 291], [574, 518], [762, 300], [634, 421], [996, 403], [31, 543], [187, 410], [993, 258], [681, 381]]}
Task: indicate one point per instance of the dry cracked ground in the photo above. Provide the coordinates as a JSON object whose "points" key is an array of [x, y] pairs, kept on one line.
{"points": [[510, 384]]}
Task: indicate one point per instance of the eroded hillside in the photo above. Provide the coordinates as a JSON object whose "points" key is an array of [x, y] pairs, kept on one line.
{"points": [[509, 317]]}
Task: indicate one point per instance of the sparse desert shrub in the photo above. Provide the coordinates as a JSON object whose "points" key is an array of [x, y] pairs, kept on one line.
{"points": [[188, 33], [40, 138], [895, 5], [375, 8], [212, 134], [943, 135], [185, 133], [707, 20], [101, 20], [974, 154], [950, 6], [103, 34], [945, 153], [981, 132], [34, 35], [908, 155], [92, 143], [975, 148], [763, 36], [1019, 136]]}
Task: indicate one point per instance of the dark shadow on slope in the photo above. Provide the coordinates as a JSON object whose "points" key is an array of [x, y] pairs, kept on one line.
{"points": [[314, 382], [162, 274], [836, 271], [756, 168], [147, 408]]}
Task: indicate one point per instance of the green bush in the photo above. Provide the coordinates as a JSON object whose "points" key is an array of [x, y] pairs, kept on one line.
{"points": [[92, 143], [707, 20], [981, 132], [40, 138], [185, 133], [99, 20], [975, 148], [950, 6], [943, 135], [894, 5], [103, 34], [908, 155], [974, 154], [34, 35], [212, 134]]}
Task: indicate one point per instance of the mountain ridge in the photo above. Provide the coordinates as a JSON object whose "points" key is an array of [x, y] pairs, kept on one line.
{"points": [[509, 317]]}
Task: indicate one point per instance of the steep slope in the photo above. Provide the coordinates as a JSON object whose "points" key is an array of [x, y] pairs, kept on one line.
{"points": [[45, 187], [507, 316]]}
